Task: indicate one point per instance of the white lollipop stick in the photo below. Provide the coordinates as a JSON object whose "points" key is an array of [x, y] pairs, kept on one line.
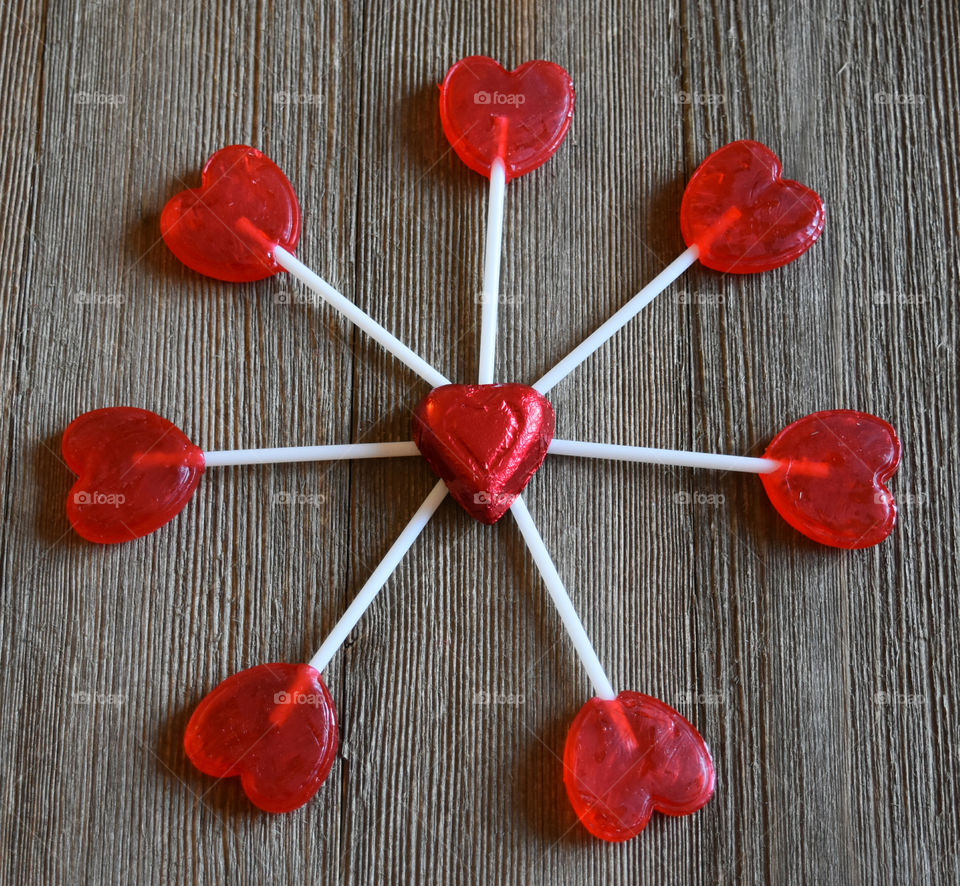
{"points": [[561, 599], [284, 454], [349, 310], [491, 271], [678, 457], [618, 320], [341, 630]]}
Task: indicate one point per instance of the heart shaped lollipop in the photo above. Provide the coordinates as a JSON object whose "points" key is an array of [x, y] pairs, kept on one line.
{"points": [[135, 472], [520, 116], [830, 483], [227, 227], [484, 441], [628, 756], [738, 215], [273, 725], [744, 215]]}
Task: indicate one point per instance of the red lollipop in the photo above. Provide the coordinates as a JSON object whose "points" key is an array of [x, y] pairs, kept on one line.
{"points": [[135, 472], [743, 215], [204, 227], [502, 124], [274, 726], [830, 483], [626, 754], [520, 116], [243, 223], [738, 215], [825, 473], [629, 756]]}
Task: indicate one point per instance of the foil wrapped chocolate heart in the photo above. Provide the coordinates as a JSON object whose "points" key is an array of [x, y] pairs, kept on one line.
{"points": [[484, 441]]}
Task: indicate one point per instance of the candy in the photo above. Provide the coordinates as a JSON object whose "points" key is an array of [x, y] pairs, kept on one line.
{"points": [[273, 725], [743, 215], [227, 227], [502, 124], [628, 756], [521, 116], [484, 441], [242, 224], [737, 214], [830, 483], [135, 472], [824, 474]]}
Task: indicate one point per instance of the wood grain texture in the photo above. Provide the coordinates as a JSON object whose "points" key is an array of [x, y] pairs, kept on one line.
{"points": [[827, 683]]}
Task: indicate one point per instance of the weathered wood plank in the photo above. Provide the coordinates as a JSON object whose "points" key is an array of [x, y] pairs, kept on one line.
{"points": [[824, 681]]}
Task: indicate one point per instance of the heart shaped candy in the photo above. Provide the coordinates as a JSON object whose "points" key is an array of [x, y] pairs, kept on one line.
{"points": [[626, 757], [228, 226], [830, 484], [274, 726], [743, 215], [520, 115], [484, 441], [135, 472]]}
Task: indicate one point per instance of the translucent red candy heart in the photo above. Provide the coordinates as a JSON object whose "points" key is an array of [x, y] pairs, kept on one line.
{"points": [[274, 726], [830, 485], [743, 215], [484, 441], [228, 226], [520, 115], [135, 472], [627, 757]]}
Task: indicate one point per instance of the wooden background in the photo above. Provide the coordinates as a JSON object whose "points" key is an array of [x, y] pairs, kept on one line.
{"points": [[826, 682]]}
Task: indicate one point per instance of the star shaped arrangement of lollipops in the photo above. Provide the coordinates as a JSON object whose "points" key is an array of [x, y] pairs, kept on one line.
{"points": [[627, 754]]}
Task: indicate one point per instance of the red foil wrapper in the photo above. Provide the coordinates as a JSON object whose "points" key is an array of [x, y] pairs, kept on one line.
{"points": [[484, 441]]}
